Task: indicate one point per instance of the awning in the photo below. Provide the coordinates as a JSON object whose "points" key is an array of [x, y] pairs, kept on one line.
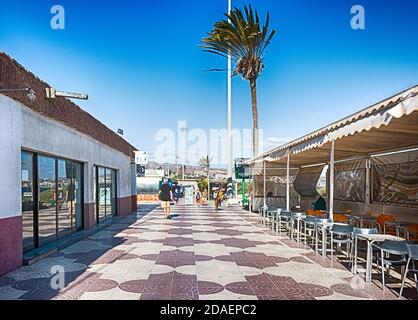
{"points": [[310, 144], [381, 118], [388, 126], [388, 116]]}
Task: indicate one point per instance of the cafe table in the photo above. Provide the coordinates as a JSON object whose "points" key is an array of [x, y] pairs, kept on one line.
{"points": [[372, 238]]}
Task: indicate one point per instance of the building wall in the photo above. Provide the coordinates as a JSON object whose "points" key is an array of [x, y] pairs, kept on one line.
{"points": [[10, 186], [21, 127]]}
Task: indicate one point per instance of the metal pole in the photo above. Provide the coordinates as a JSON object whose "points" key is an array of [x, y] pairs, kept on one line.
{"points": [[229, 104], [288, 182], [264, 184], [331, 181], [208, 195], [244, 199], [367, 183]]}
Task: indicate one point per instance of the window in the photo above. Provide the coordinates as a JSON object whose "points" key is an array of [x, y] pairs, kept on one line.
{"points": [[47, 189], [69, 197], [52, 205], [27, 200], [105, 193]]}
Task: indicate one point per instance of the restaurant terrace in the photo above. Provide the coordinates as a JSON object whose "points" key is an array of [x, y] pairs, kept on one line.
{"points": [[370, 161]]}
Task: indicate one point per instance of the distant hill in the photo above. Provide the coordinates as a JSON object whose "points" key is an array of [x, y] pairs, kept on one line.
{"points": [[190, 171]]}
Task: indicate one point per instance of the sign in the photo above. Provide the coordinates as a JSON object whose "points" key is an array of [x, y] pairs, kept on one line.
{"points": [[155, 173], [141, 157], [25, 175], [140, 171], [188, 195], [242, 171]]}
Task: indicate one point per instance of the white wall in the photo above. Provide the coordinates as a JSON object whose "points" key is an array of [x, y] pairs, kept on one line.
{"points": [[10, 170], [21, 127]]}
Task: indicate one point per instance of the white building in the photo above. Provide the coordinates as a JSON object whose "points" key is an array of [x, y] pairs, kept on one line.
{"points": [[62, 171]]}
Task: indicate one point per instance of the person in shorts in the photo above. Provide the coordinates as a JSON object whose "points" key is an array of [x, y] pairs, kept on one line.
{"points": [[166, 195]]}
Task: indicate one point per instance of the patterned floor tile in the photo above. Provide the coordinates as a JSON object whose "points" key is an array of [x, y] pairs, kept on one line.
{"points": [[197, 254]]}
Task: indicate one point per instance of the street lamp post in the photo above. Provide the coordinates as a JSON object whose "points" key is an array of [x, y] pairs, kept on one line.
{"points": [[183, 130], [229, 171]]}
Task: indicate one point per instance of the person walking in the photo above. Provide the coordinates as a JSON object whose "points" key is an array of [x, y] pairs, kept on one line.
{"points": [[198, 197], [216, 199], [176, 195], [204, 197], [220, 198], [166, 195]]}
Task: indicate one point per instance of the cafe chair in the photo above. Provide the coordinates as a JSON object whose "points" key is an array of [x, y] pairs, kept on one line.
{"points": [[340, 218], [297, 224], [319, 214], [392, 253], [269, 216], [412, 232], [380, 221], [310, 212], [341, 234], [309, 228], [412, 257], [285, 220], [275, 220], [318, 233]]}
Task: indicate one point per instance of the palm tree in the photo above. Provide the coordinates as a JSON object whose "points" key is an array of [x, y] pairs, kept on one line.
{"points": [[204, 163], [245, 40]]}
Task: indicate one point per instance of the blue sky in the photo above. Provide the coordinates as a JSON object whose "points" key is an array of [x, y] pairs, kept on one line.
{"points": [[140, 63]]}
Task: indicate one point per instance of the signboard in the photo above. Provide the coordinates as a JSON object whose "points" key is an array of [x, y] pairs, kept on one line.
{"points": [[188, 195], [141, 157], [242, 171], [140, 171], [154, 173]]}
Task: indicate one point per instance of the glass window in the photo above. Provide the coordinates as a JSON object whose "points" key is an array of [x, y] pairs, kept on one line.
{"points": [[95, 192], [101, 176], [27, 200], [65, 197], [47, 219], [78, 203], [52, 205], [113, 197], [105, 192], [109, 208]]}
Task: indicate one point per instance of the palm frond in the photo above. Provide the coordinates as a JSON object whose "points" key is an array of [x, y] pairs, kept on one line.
{"points": [[241, 35]]}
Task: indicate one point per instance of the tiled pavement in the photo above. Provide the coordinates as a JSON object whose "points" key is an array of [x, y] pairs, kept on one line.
{"points": [[197, 254]]}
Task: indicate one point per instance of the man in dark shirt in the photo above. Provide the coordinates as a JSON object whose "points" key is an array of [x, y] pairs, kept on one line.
{"points": [[166, 195]]}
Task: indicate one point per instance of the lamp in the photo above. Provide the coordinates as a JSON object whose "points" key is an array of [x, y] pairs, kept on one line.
{"points": [[31, 94], [51, 93]]}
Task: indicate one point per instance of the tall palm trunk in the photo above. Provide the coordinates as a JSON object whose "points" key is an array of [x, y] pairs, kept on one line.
{"points": [[253, 84]]}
